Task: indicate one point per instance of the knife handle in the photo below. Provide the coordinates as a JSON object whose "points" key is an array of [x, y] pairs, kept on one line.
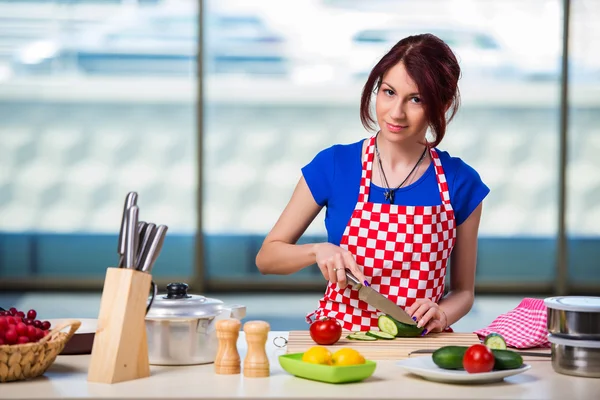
{"points": [[131, 236], [130, 200], [352, 279]]}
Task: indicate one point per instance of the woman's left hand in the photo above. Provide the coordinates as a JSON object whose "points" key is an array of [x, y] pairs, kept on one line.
{"points": [[429, 315]]}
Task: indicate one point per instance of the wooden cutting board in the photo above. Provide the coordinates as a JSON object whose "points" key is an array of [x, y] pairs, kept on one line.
{"points": [[399, 348]]}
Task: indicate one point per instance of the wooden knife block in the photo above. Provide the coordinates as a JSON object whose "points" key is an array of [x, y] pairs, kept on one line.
{"points": [[120, 350]]}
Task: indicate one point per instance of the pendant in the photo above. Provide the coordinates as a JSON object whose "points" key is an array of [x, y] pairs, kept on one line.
{"points": [[389, 196]]}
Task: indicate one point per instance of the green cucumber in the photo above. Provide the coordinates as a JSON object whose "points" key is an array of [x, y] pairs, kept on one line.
{"points": [[358, 336], [449, 357], [396, 328], [380, 335], [495, 341], [506, 359]]}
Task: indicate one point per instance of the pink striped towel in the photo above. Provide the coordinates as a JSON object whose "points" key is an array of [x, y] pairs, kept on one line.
{"points": [[523, 327]]}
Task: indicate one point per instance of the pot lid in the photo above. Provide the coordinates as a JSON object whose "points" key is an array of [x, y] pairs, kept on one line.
{"points": [[574, 303], [573, 342], [177, 303]]}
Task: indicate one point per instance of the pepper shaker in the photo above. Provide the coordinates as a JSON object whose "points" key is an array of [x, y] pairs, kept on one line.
{"points": [[228, 361], [256, 363]]}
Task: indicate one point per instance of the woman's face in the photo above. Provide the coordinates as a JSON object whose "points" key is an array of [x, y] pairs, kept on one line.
{"points": [[400, 113]]}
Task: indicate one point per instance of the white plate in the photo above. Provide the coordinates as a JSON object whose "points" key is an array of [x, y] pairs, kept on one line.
{"points": [[88, 325], [424, 367]]}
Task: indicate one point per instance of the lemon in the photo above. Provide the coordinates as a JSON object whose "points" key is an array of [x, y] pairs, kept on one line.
{"points": [[347, 356], [317, 355]]}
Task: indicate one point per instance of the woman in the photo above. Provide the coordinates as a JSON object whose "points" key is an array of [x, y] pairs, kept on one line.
{"points": [[397, 207]]}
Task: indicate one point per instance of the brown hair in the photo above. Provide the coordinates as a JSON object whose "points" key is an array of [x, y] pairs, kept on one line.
{"points": [[434, 68]]}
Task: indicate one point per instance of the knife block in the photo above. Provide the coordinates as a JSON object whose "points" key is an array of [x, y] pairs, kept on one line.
{"points": [[120, 350]]}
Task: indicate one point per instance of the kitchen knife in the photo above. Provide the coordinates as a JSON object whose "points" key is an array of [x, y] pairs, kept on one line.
{"points": [[153, 250], [379, 301], [131, 236], [130, 200], [145, 240]]}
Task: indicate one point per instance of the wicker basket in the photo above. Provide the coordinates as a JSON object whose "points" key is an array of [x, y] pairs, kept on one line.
{"points": [[25, 361]]}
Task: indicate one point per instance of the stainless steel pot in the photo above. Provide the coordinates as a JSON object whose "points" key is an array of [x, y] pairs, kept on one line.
{"points": [[574, 317], [181, 327], [575, 357]]}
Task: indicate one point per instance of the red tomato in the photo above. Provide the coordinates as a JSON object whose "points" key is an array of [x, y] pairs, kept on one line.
{"points": [[325, 331], [478, 358]]}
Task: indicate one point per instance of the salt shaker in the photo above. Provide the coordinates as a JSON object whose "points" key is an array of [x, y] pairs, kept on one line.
{"points": [[256, 363], [228, 361]]}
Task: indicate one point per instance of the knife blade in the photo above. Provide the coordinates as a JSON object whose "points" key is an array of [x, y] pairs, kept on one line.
{"points": [[131, 236], [378, 301], [130, 200], [153, 250]]}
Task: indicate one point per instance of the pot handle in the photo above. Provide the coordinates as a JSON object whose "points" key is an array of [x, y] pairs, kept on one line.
{"points": [[154, 288]]}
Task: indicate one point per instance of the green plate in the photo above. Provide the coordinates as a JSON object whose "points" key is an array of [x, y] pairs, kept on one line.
{"points": [[293, 364]]}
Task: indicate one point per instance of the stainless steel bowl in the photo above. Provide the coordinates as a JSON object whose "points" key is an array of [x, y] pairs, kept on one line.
{"points": [[575, 357], [574, 317]]}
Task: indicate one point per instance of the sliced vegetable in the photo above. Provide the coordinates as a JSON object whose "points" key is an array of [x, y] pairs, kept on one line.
{"points": [[389, 325], [380, 335], [507, 359], [495, 341], [386, 324], [357, 336], [449, 357]]}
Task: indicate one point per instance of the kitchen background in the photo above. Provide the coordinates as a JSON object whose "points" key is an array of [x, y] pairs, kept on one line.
{"points": [[102, 97]]}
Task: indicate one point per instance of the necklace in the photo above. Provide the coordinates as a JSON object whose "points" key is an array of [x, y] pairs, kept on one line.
{"points": [[390, 193]]}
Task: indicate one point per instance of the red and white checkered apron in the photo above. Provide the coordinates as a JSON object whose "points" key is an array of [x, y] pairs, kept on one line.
{"points": [[403, 251]]}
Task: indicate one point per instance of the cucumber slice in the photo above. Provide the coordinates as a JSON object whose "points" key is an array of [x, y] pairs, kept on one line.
{"points": [[495, 341], [354, 336], [387, 325], [380, 335]]}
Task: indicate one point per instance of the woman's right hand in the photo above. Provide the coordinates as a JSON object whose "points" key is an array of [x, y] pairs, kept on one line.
{"points": [[333, 261]]}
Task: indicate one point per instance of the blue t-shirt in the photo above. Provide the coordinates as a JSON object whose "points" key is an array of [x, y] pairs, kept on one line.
{"points": [[333, 177]]}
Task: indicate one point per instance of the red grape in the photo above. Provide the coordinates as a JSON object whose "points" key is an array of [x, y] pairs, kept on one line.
{"points": [[11, 336], [20, 314], [3, 313], [32, 333], [39, 333], [1, 341], [13, 311], [11, 320], [3, 324], [27, 321], [31, 314], [23, 340], [37, 323], [21, 329], [46, 325]]}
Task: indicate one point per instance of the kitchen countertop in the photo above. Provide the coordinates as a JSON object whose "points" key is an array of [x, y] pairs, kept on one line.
{"points": [[67, 379]]}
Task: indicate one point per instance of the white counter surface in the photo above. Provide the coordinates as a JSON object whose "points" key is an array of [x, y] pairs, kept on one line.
{"points": [[67, 379]]}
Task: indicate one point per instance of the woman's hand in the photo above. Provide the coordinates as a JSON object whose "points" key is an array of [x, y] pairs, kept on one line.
{"points": [[429, 315], [333, 261]]}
